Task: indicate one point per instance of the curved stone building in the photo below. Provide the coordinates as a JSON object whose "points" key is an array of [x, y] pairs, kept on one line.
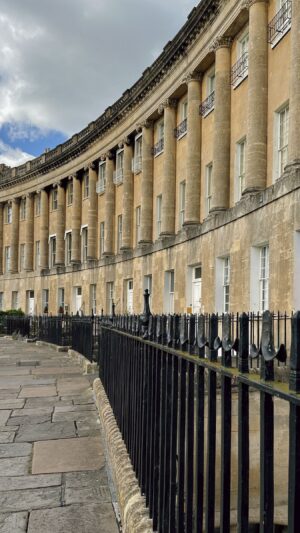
{"points": [[188, 185]]}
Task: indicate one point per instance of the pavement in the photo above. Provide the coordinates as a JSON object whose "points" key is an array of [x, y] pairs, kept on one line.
{"points": [[53, 473]]}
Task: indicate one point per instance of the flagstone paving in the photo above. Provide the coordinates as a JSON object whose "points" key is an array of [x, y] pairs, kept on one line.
{"points": [[53, 473]]}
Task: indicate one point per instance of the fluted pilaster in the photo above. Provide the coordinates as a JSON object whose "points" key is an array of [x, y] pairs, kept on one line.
{"points": [[29, 232], [193, 162], [257, 117], [14, 250], [109, 207], [76, 220], [60, 225], [294, 129], [44, 230], [221, 136], [93, 213], [147, 183], [169, 169], [127, 207]]}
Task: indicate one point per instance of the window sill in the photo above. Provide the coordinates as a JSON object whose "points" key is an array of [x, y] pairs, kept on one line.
{"points": [[181, 136], [242, 78], [158, 154], [208, 112], [280, 36]]}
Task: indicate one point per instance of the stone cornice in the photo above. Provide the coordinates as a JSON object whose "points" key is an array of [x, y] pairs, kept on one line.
{"points": [[131, 98]]}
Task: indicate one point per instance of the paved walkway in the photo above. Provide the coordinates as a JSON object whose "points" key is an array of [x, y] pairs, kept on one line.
{"points": [[53, 476]]}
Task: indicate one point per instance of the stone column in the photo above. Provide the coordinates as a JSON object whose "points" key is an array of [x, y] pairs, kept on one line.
{"points": [[60, 225], [147, 183], [109, 207], [14, 254], [169, 168], [1, 238], [44, 230], [294, 127], [193, 161], [76, 221], [221, 136], [257, 118], [127, 200], [93, 213], [29, 232]]}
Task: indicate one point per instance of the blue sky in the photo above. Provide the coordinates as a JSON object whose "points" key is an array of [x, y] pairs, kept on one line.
{"points": [[63, 63]]}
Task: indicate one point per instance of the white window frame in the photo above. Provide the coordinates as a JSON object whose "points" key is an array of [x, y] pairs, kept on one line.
{"points": [[160, 129], [7, 255], [52, 250], [8, 214], [137, 224], [119, 172], [120, 233], [281, 33], [37, 207], [101, 184], [102, 238], [264, 273], [109, 296], [37, 254], [169, 291], [242, 48], [158, 214], [226, 284], [54, 200], [15, 300], [45, 300], [23, 209], [281, 149], [86, 185], [241, 150], [182, 192], [70, 193], [61, 298], [68, 247], [84, 242], [22, 256], [147, 284], [138, 149], [208, 187]]}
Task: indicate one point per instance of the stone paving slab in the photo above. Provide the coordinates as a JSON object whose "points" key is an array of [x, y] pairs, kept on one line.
{"points": [[13, 522], [74, 519], [53, 473], [67, 455]]}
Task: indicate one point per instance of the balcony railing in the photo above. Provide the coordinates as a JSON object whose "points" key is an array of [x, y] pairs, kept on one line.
{"points": [[239, 70], [281, 23], [158, 148], [100, 186], [207, 105], [118, 176], [181, 130], [137, 164]]}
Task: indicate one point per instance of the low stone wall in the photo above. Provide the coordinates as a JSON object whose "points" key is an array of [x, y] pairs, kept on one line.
{"points": [[87, 366], [134, 513]]}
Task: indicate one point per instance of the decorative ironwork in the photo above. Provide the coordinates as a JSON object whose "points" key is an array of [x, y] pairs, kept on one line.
{"points": [[100, 186], [137, 164], [281, 23], [158, 148], [239, 70], [181, 129], [207, 105], [118, 176]]}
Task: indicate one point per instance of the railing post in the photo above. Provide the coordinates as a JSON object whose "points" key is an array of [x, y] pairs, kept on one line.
{"points": [[144, 318]]}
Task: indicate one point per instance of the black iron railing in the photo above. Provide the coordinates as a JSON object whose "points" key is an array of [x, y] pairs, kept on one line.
{"points": [[280, 23], [158, 148], [164, 380], [239, 70], [181, 129], [207, 105]]}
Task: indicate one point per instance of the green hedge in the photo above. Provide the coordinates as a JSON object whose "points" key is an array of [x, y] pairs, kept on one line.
{"points": [[12, 312]]}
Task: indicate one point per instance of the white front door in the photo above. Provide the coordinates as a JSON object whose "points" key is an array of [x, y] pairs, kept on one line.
{"points": [[130, 296], [30, 302], [196, 290]]}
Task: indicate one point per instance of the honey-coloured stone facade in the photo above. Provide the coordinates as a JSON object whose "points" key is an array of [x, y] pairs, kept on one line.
{"points": [[188, 185]]}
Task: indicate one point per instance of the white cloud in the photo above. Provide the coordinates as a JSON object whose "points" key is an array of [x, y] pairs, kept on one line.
{"points": [[12, 157], [63, 63]]}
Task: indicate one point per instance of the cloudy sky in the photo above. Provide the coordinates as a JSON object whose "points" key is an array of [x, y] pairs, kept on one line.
{"points": [[63, 62]]}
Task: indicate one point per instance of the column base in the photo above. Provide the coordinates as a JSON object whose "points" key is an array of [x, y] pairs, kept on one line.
{"points": [[295, 164], [191, 223], [216, 210], [166, 234], [108, 254], [125, 249], [252, 190], [144, 241], [75, 261]]}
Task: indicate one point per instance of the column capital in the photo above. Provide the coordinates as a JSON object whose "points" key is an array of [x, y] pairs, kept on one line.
{"points": [[109, 155], [30, 194], [169, 102], [59, 183], [126, 141], [145, 124], [74, 176], [248, 3], [221, 42], [16, 200], [193, 76], [90, 165]]}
